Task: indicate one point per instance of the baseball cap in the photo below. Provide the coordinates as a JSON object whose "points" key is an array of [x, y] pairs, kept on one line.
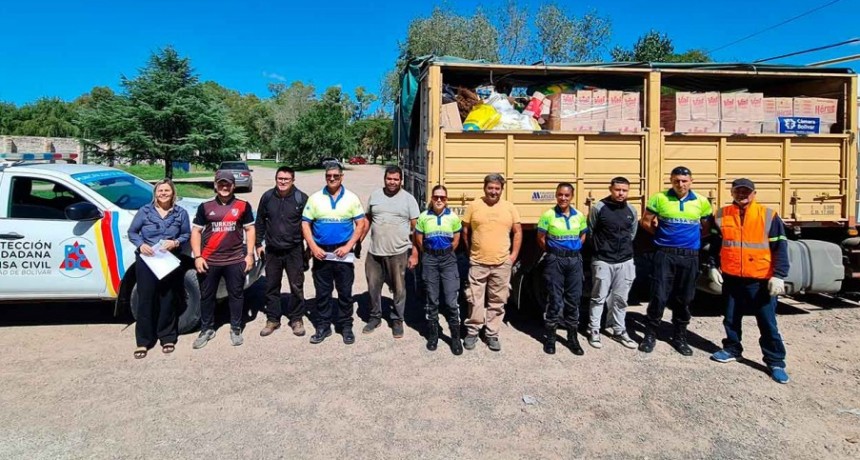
{"points": [[743, 182], [225, 175]]}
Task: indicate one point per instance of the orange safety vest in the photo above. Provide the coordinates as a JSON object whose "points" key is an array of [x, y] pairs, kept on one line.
{"points": [[746, 246]]}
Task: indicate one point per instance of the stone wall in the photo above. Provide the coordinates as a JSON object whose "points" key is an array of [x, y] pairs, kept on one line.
{"points": [[32, 144]]}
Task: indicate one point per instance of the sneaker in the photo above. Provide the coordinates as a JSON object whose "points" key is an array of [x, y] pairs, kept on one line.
{"points": [[397, 329], [724, 356], [493, 344], [236, 337], [625, 340], [594, 339], [470, 341], [321, 335], [298, 327], [779, 375], [371, 325], [348, 336], [203, 338], [271, 326]]}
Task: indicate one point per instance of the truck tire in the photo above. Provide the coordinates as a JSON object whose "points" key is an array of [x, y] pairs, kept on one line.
{"points": [[188, 311]]}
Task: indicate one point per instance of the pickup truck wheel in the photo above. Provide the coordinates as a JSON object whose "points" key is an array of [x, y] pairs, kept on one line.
{"points": [[189, 311]]}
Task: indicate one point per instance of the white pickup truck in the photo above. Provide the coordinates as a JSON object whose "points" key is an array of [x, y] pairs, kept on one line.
{"points": [[64, 235]]}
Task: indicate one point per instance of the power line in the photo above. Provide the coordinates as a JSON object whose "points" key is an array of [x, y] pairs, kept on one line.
{"points": [[806, 13], [811, 50]]}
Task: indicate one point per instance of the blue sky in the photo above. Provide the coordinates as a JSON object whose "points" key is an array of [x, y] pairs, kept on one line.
{"points": [[63, 48]]}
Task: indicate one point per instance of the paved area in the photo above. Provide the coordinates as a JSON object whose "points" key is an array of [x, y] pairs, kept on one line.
{"points": [[71, 389]]}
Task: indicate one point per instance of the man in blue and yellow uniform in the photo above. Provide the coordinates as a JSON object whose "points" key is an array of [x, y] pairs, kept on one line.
{"points": [[675, 217], [332, 222], [561, 232]]}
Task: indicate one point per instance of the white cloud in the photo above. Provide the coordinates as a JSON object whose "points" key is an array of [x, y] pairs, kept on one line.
{"points": [[274, 76]]}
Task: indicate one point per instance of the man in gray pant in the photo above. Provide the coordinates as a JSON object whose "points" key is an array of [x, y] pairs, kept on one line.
{"points": [[612, 224], [392, 213]]}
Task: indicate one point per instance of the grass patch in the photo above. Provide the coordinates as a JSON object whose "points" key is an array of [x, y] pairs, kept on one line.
{"points": [[194, 190], [156, 172]]}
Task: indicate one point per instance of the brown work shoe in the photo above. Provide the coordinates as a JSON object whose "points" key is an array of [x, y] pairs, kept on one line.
{"points": [[298, 327], [270, 327]]}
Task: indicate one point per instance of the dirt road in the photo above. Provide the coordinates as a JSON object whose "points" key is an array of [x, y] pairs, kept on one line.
{"points": [[70, 389]]}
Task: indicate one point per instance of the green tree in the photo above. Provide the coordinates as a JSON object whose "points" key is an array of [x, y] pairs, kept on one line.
{"points": [[321, 131], [564, 37], [47, 117], [363, 101], [103, 119], [246, 111], [166, 115], [373, 137], [8, 118], [286, 105], [514, 34], [656, 47]]}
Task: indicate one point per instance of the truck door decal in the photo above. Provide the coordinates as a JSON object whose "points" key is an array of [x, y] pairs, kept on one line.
{"points": [[108, 241]]}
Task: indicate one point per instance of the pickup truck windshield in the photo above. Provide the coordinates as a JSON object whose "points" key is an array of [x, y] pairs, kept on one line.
{"points": [[122, 189]]}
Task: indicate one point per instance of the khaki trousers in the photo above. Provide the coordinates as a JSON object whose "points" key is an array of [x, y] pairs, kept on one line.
{"points": [[487, 294]]}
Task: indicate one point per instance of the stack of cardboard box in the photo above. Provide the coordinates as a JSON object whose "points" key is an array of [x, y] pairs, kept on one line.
{"points": [[595, 110], [738, 112]]}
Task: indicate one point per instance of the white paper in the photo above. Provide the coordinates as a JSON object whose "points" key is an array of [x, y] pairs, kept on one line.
{"points": [[162, 263], [348, 258]]}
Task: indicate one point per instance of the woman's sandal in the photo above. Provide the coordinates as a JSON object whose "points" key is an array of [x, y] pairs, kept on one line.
{"points": [[140, 353], [168, 348]]}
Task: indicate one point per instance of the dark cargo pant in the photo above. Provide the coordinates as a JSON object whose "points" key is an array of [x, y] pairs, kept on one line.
{"points": [[441, 276], [673, 284], [291, 261], [563, 280]]}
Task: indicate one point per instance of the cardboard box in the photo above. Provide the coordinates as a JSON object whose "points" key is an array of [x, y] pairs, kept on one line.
{"points": [[697, 126], [450, 117], [631, 107], [768, 109], [728, 107], [825, 109], [615, 105], [698, 106], [740, 127], [561, 106], [599, 104], [769, 127], [582, 125], [784, 107], [583, 105], [756, 107], [712, 101], [743, 104], [622, 126], [545, 107], [804, 107], [682, 105]]}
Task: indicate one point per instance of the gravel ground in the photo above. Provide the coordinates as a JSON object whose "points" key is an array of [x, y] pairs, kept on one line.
{"points": [[71, 389]]}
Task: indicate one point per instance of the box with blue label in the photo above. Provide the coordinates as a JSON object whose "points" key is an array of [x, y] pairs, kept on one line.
{"points": [[801, 125]]}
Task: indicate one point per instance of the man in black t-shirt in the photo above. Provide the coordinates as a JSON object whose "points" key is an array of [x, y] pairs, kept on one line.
{"points": [[217, 234]]}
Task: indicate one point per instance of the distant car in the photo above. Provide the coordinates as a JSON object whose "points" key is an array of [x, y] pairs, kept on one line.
{"points": [[327, 160], [241, 172], [357, 161]]}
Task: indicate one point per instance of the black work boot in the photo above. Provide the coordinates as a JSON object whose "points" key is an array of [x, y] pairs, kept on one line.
{"points": [[573, 342], [456, 343], [549, 341], [679, 341], [650, 340], [432, 335]]}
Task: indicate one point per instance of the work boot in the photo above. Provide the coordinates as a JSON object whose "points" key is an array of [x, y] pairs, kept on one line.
{"points": [[549, 341], [397, 329], [679, 341], [298, 327], [348, 336], [371, 325], [432, 335], [456, 345], [321, 334], [271, 326], [573, 342], [650, 340]]}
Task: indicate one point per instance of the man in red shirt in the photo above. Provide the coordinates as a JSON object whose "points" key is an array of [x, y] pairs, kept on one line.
{"points": [[217, 234]]}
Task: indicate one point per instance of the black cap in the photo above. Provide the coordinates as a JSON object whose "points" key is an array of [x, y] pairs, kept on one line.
{"points": [[225, 176], [681, 171], [743, 182]]}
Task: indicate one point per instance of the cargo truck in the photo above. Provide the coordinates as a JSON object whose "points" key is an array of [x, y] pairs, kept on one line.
{"points": [[811, 179]]}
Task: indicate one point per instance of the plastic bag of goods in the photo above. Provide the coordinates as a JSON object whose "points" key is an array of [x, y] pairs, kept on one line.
{"points": [[515, 121], [481, 118]]}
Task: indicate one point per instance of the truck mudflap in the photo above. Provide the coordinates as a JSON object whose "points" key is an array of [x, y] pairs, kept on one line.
{"points": [[816, 268]]}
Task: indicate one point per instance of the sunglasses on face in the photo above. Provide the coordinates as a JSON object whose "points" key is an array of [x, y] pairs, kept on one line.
{"points": [[332, 176], [440, 198]]}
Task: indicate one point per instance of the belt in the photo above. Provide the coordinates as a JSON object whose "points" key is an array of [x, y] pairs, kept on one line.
{"points": [[679, 251], [330, 247], [438, 252], [562, 252]]}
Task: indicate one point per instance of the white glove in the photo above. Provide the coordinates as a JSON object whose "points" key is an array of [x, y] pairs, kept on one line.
{"points": [[775, 286], [715, 276]]}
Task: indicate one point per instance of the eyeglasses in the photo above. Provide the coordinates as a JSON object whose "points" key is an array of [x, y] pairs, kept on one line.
{"points": [[285, 179], [680, 171], [332, 176], [440, 198]]}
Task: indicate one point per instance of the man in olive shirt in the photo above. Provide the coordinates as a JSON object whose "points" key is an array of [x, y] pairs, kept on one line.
{"points": [[487, 227]]}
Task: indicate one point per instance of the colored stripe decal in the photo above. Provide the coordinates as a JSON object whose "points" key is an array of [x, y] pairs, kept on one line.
{"points": [[116, 245], [110, 251], [103, 260]]}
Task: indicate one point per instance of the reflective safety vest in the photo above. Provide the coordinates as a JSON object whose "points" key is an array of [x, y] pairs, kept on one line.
{"points": [[745, 250]]}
